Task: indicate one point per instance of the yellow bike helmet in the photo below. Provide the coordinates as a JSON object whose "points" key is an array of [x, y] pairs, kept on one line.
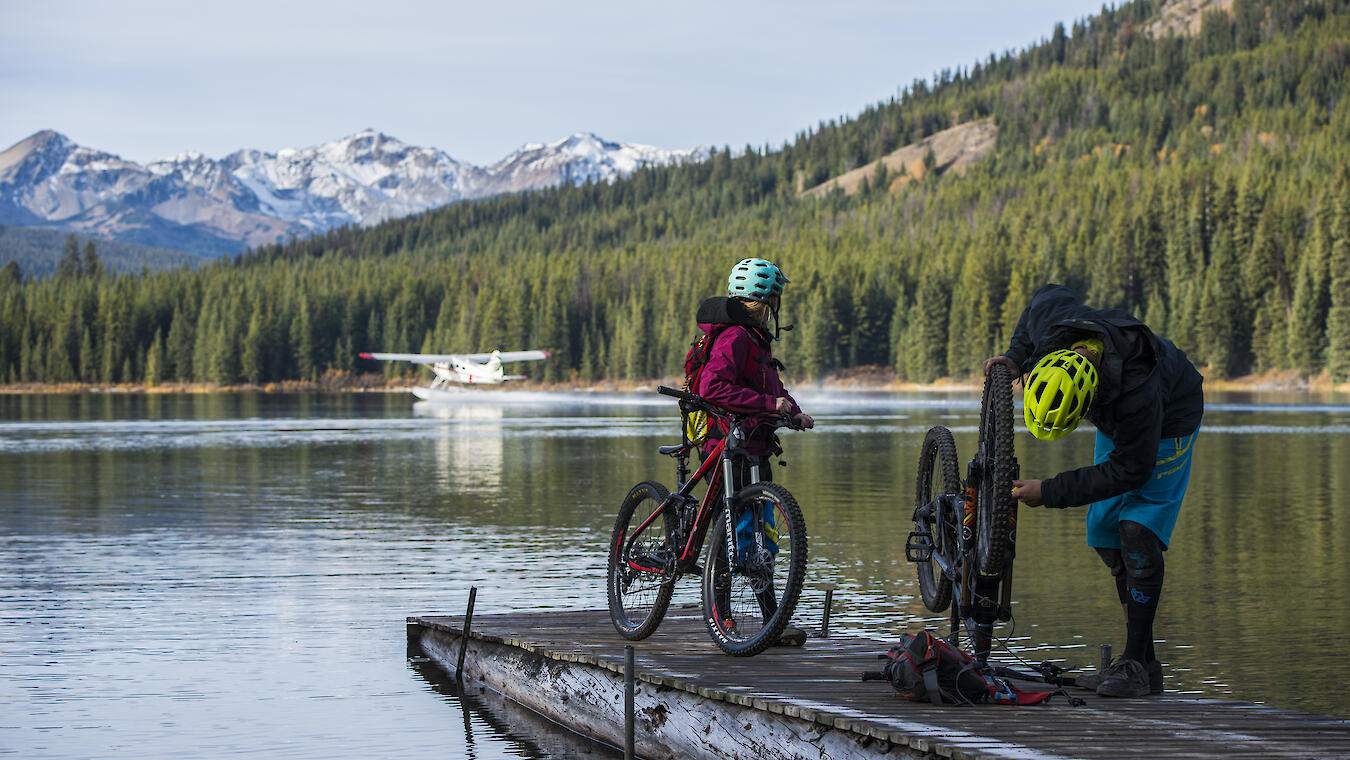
{"points": [[1059, 391]]}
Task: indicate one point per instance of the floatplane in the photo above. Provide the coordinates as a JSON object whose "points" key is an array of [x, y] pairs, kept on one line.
{"points": [[461, 369]]}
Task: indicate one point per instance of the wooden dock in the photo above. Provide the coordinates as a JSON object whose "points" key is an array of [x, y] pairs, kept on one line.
{"points": [[692, 701]]}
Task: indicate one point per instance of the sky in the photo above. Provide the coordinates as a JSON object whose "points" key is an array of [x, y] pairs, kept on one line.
{"points": [[147, 80]]}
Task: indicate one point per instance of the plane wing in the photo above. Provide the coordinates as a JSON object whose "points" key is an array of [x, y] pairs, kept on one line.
{"points": [[505, 356]]}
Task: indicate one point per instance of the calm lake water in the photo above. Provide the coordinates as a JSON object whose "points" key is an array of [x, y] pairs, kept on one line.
{"points": [[222, 575]]}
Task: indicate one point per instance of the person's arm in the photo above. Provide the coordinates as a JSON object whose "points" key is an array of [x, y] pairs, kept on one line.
{"points": [[1129, 466], [730, 351]]}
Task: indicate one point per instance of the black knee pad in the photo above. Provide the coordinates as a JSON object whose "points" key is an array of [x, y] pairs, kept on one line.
{"points": [[1141, 554], [1112, 559]]}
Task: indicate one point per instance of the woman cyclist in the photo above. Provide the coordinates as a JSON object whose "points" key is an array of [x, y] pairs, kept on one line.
{"points": [[1145, 399], [741, 374]]}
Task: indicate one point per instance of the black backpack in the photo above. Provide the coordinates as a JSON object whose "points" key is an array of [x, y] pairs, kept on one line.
{"points": [[925, 668]]}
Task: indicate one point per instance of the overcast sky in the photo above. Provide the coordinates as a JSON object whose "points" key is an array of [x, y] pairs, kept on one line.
{"points": [[147, 80]]}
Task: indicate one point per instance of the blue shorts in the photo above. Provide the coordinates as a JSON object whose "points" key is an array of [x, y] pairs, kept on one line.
{"points": [[1154, 505]]}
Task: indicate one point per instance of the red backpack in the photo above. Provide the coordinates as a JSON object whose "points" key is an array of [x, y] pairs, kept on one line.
{"points": [[696, 422]]}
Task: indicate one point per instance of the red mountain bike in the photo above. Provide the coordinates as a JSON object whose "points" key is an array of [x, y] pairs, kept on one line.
{"points": [[756, 560]]}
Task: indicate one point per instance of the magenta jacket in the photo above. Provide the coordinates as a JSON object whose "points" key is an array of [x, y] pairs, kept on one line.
{"points": [[741, 374]]}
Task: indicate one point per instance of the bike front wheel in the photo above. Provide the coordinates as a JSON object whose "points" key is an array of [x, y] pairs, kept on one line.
{"points": [[994, 535], [749, 594], [939, 474], [641, 570]]}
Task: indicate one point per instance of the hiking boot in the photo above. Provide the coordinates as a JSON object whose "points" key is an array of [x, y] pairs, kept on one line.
{"points": [[1155, 679], [1125, 678], [791, 636]]}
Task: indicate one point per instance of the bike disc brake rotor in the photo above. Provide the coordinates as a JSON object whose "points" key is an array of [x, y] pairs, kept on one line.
{"points": [[758, 571]]}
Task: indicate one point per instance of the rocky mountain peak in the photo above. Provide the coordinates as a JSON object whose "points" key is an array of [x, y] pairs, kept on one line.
{"points": [[253, 197]]}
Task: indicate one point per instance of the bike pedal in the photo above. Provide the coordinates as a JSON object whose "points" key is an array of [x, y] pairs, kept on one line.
{"points": [[919, 546]]}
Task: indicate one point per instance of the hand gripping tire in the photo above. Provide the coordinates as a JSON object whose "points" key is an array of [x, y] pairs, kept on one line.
{"points": [[994, 534], [937, 459], [641, 568], [747, 607]]}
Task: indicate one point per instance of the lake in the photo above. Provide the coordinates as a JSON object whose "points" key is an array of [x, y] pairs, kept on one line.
{"points": [[228, 574]]}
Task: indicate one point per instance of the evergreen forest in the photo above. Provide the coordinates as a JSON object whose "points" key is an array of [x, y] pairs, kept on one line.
{"points": [[1201, 182]]}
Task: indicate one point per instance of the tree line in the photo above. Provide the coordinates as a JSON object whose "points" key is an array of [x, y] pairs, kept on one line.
{"points": [[1199, 182]]}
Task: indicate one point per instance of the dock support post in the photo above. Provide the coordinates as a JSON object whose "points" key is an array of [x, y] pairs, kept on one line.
{"points": [[464, 640], [628, 689], [825, 617], [1103, 659]]}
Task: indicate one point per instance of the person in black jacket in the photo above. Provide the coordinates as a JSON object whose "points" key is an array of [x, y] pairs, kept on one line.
{"points": [[1145, 399]]}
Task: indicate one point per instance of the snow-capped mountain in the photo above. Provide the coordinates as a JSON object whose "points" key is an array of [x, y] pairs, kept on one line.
{"points": [[576, 159], [251, 198]]}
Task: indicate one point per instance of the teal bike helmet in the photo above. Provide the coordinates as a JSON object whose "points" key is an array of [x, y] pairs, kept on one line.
{"points": [[756, 279]]}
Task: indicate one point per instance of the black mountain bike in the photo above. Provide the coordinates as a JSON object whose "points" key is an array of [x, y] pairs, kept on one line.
{"points": [[965, 532], [756, 560]]}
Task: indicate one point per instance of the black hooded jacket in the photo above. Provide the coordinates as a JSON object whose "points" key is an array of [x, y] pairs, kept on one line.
{"points": [[1147, 390]]}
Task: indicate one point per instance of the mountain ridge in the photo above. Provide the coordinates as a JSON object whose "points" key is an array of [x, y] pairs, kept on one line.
{"points": [[250, 197]]}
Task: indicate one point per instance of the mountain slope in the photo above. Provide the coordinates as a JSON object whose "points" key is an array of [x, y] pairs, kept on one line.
{"points": [[38, 253], [252, 198]]}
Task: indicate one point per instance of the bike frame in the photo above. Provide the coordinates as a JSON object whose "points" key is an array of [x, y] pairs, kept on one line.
{"points": [[718, 468]]}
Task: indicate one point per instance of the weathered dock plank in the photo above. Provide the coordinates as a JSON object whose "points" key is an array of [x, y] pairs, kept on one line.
{"points": [[694, 701]]}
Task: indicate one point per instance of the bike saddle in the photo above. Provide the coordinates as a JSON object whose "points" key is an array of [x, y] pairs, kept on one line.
{"points": [[671, 451]]}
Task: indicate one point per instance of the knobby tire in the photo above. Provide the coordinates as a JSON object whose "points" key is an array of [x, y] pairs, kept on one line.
{"points": [[994, 534], [938, 458], [730, 604], [638, 599]]}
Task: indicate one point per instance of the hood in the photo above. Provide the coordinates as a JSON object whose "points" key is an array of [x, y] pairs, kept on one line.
{"points": [[723, 310]]}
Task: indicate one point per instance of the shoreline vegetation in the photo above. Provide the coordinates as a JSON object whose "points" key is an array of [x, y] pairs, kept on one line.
{"points": [[860, 379]]}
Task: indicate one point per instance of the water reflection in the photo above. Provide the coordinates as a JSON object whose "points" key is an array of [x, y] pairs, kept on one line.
{"points": [[469, 451], [173, 565]]}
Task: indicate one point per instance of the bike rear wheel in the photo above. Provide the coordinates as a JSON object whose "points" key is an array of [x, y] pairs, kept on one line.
{"points": [[994, 536], [641, 569], [939, 473], [747, 605]]}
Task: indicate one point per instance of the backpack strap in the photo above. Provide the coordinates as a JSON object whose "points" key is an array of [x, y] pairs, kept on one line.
{"points": [[930, 683]]}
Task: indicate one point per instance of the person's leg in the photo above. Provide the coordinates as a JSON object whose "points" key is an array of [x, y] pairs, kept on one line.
{"points": [[1147, 516], [1113, 562], [1142, 556]]}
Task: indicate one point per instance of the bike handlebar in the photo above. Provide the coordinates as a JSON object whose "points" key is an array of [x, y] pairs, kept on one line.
{"points": [[681, 395], [782, 420]]}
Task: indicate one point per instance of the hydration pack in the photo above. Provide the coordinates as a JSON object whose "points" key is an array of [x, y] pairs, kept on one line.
{"points": [[695, 421]]}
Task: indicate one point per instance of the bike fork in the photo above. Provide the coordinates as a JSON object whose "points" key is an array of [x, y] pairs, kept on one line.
{"points": [[727, 492]]}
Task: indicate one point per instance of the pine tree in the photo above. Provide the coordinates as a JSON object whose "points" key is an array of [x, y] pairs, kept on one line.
{"points": [[252, 359], [925, 341], [178, 347], [1338, 316], [154, 361], [1219, 301], [70, 267], [92, 266]]}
